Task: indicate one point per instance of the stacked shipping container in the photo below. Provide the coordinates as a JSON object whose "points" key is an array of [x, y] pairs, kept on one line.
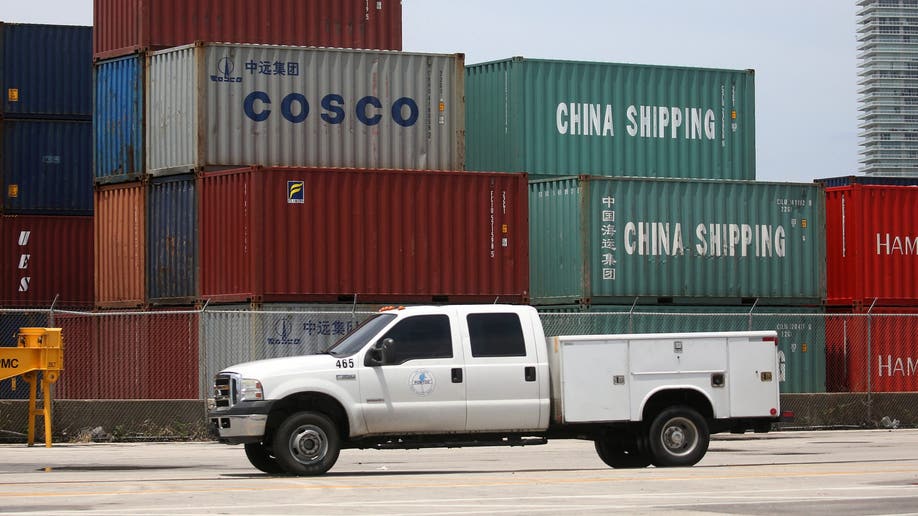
{"points": [[45, 165], [872, 270]]}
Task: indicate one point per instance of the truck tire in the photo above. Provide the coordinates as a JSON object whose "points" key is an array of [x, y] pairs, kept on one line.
{"points": [[678, 437], [260, 456], [306, 444], [621, 454]]}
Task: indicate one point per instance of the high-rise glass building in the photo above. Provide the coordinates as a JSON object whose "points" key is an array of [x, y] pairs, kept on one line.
{"points": [[888, 86]]}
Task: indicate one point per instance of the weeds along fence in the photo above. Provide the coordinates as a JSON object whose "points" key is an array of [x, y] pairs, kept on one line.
{"points": [[148, 374]]}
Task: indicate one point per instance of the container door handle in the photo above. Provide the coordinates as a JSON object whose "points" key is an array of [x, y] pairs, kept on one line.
{"points": [[530, 373], [457, 375]]}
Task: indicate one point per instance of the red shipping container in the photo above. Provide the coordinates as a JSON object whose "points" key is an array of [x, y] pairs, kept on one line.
{"points": [[79, 379], [125, 26], [120, 250], [143, 355], [317, 235], [872, 245], [872, 354], [44, 256]]}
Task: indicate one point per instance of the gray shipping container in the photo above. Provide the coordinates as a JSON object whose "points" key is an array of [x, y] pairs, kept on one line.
{"points": [[212, 105]]}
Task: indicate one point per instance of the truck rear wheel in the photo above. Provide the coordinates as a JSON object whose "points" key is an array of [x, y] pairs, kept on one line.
{"points": [[306, 444], [621, 453], [261, 457], [678, 437]]}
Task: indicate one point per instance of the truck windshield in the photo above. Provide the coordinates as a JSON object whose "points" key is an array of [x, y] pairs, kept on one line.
{"points": [[359, 336]]}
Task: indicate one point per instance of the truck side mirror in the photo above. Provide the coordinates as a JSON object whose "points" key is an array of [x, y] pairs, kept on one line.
{"points": [[380, 353]]}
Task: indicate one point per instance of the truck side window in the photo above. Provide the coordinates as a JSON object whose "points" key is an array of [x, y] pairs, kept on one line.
{"points": [[496, 335], [423, 336]]}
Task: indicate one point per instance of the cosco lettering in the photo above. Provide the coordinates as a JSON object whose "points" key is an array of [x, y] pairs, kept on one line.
{"points": [[295, 108]]}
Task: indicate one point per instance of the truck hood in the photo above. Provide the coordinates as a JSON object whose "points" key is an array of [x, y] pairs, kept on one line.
{"points": [[280, 367]]}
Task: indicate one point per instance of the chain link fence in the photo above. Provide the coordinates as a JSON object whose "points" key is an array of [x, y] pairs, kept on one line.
{"points": [[147, 374]]}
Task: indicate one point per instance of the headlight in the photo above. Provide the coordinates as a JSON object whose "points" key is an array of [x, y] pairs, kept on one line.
{"points": [[251, 390]]}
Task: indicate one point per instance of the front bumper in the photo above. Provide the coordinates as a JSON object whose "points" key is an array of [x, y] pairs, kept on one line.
{"points": [[243, 423]]}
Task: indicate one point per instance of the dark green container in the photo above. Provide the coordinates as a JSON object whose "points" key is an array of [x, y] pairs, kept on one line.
{"points": [[558, 118], [597, 240], [801, 331]]}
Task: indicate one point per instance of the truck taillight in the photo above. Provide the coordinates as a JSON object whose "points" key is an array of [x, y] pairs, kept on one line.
{"points": [[771, 339]]}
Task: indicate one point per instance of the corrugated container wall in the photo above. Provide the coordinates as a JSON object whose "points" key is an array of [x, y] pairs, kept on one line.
{"points": [[561, 118], [314, 235], [872, 245], [120, 251], [45, 257], [172, 240], [218, 105], [801, 332], [872, 353], [118, 120], [46, 71], [232, 334], [46, 167], [126, 26], [605, 241]]}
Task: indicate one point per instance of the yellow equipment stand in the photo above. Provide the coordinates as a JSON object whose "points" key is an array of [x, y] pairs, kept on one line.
{"points": [[39, 350]]}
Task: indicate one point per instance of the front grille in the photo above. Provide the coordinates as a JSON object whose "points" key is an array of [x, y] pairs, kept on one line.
{"points": [[225, 391]]}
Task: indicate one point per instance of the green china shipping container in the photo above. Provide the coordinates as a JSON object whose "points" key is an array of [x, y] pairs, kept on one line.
{"points": [[596, 240], [561, 118], [801, 331]]}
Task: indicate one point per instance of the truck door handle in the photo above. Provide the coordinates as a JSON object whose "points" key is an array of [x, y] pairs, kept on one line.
{"points": [[530, 374], [457, 375]]}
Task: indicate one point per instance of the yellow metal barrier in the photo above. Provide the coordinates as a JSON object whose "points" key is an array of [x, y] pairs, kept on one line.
{"points": [[39, 350]]}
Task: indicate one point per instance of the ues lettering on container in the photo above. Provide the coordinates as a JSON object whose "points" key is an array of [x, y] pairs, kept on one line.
{"points": [[561, 118], [43, 258], [607, 240], [217, 105]]}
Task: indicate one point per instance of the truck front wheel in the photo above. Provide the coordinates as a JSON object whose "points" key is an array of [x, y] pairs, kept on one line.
{"points": [[261, 457], [306, 444], [678, 437]]}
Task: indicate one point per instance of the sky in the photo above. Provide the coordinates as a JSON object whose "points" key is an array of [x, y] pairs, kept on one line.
{"points": [[804, 53]]}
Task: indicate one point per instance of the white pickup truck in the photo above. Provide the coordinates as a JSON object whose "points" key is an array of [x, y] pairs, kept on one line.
{"points": [[482, 375]]}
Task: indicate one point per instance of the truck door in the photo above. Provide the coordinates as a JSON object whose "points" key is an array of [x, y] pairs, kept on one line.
{"points": [[502, 387], [421, 387]]}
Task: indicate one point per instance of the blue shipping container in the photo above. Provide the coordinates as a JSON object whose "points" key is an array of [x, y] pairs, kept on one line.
{"points": [[46, 167], [46, 71], [118, 120], [172, 240]]}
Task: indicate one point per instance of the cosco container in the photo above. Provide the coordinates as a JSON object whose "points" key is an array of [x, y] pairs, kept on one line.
{"points": [[118, 122], [172, 240], [872, 350], [216, 105], [561, 118], [46, 260], [232, 334], [324, 235], [46, 71], [126, 26], [120, 224], [611, 240], [801, 331], [872, 245], [46, 167]]}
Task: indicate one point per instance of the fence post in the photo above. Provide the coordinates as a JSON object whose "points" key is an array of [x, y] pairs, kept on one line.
{"points": [[631, 316], [750, 313], [870, 361]]}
